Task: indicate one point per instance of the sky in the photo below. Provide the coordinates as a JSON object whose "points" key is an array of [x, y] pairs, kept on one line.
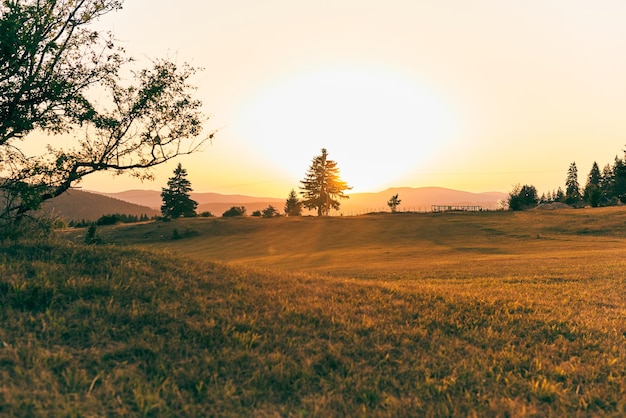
{"points": [[470, 95]]}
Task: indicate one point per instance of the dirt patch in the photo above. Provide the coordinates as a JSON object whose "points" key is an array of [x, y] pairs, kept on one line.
{"points": [[552, 206]]}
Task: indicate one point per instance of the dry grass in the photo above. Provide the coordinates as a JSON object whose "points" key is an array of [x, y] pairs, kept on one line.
{"points": [[494, 314], [459, 245]]}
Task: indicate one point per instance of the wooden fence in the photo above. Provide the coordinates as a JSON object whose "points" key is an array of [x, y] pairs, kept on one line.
{"points": [[455, 208]]}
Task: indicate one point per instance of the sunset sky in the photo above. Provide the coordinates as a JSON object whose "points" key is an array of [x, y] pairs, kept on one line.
{"points": [[470, 95]]}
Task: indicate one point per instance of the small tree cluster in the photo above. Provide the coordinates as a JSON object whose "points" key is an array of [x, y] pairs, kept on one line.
{"points": [[268, 212], [120, 218], [602, 188], [235, 211], [523, 197]]}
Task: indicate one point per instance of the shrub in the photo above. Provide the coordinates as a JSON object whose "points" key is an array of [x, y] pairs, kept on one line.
{"points": [[270, 212], [91, 237], [523, 197], [235, 211]]}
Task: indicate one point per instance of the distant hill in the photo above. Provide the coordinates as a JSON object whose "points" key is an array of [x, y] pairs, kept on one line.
{"points": [[77, 205], [212, 202], [419, 199], [413, 199]]}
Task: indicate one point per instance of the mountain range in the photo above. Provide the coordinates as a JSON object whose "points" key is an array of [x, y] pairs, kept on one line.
{"points": [[85, 205], [207, 202], [412, 199]]}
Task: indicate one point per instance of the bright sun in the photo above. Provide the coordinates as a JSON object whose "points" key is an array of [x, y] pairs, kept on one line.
{"points": [[378, 125]]}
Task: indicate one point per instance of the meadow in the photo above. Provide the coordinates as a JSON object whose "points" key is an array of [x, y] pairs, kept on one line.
{"points": [[508, 314]]}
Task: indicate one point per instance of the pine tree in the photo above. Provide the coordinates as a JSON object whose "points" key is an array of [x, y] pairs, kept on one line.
{"points": [[593, 192], [559, 196], [606, 182], [594, 176], [618, 188], [176, 200], [572, 188], [322, 186], [293, 206]]}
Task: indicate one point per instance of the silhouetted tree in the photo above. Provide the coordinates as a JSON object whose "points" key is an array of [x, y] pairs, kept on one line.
{"points": [[548, 197], [50, 64], [235, 211], [593, 191], [606, 182], [293, 206], [572, 188], [322, 185], [393, 203], [523, 197], [270, 212], [91, 237], [176, 200], [618, 188], [559, 196]]}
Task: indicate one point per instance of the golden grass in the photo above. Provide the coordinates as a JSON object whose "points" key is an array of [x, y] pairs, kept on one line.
{"points": [[458, 245], [488, 314]]}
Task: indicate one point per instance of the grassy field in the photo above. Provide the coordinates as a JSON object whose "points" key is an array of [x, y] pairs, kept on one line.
{"points": [[463, 314]]}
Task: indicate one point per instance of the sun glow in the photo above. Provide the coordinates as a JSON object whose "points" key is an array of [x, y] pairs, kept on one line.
{"points": [[377, 124]]}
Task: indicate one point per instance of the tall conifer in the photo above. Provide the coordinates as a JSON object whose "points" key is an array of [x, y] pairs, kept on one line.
{"points": [[176, 200], [322, 186]]}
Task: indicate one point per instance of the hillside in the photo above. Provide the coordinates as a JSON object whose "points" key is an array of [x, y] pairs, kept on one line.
{"points": [[77, 205], [446, 245], [463, 314], [413, 199]]}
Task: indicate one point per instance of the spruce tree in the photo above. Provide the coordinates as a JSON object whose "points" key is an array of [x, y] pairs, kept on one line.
{"points": [[606, 182], [322, 186], [618, 188], [572, 188], [593, 192], [176, 200], [293, 206]]}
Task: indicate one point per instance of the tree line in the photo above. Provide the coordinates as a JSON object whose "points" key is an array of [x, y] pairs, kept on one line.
{"points": [[606, 187]]}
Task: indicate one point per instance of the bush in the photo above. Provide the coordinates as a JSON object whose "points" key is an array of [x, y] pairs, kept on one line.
{"points": [[30, 228], [235, 211], [523, 197], [270, 212], [185, 234], [91, 237]]}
